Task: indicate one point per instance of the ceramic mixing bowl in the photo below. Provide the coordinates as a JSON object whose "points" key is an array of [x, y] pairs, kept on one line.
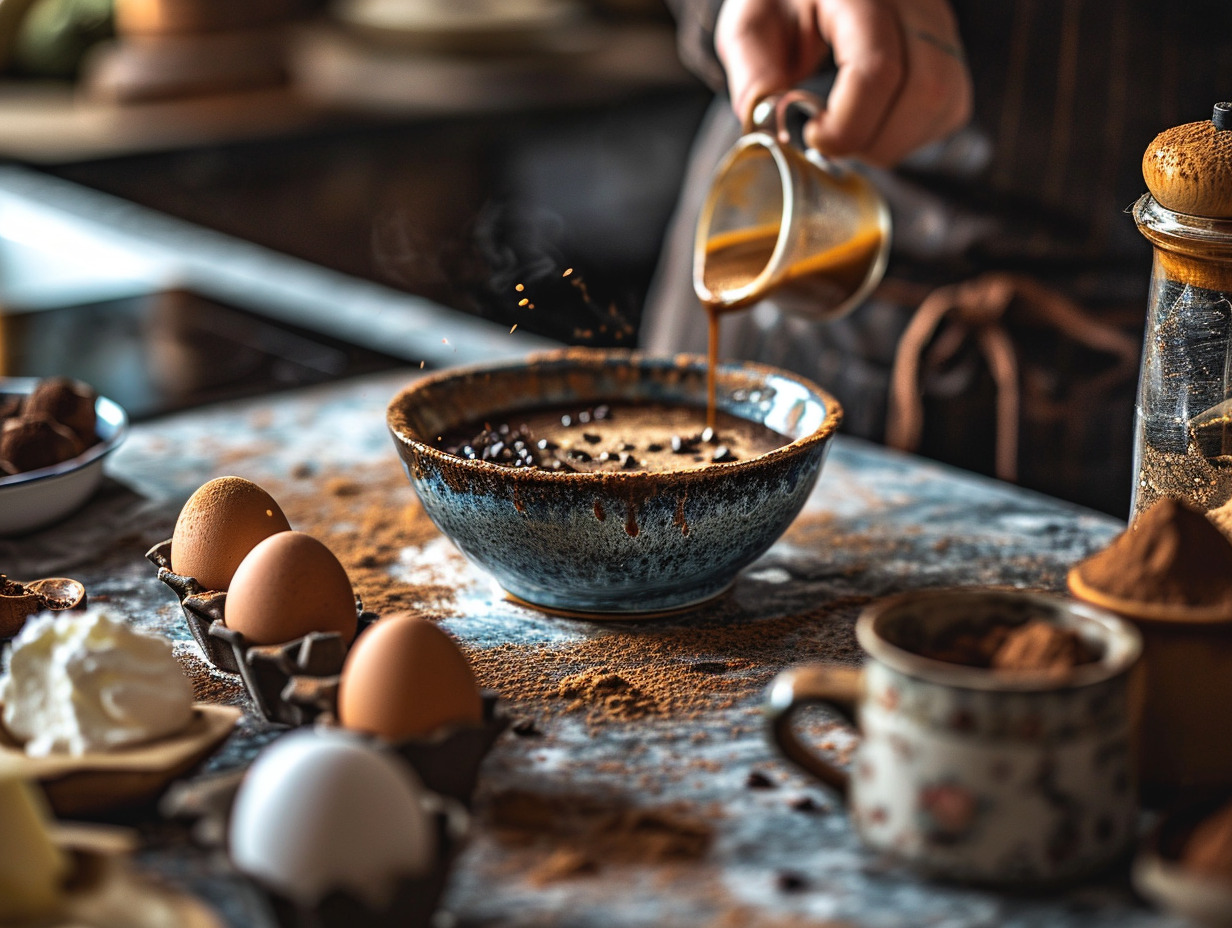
{"points": [[618, 542]]}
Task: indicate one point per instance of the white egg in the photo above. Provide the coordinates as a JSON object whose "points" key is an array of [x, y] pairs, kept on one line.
{"points": [[319, 812]]}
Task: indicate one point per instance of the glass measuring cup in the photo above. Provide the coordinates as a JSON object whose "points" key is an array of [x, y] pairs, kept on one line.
{"points": [[782, 218]]}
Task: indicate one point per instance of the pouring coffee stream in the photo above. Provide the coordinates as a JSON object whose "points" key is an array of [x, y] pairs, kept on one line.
{"points": [[784, 220]]}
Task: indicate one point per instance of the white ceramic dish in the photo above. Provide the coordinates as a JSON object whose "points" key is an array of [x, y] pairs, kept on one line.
{"points": [[1160, 877], [40, 497]]}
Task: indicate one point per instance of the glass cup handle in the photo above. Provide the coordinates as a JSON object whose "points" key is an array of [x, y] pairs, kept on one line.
{"points": [[831, 685]]}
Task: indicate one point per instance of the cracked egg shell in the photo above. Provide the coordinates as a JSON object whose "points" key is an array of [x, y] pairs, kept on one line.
{"points": [[405, 678], [218, 526], [290, 584]]}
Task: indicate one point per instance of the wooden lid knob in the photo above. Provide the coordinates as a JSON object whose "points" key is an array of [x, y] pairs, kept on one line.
{"points": [[1188, 168]]}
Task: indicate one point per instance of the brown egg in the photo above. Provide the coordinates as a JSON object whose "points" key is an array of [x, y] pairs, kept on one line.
{"points": [[290, 584], [405, 678], [218, 526]]}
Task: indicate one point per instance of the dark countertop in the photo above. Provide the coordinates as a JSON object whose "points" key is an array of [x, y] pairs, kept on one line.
{"points": [[877, 523]]}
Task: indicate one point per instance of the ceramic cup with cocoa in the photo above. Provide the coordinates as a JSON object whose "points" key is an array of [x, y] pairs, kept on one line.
{"points": [[970, 773]]}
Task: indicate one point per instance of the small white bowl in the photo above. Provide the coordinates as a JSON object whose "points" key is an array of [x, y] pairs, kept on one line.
{"points": [[1159, 876], [40, 497]]}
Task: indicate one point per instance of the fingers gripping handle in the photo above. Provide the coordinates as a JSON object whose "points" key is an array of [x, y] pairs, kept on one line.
{"points": [[830, 685]]}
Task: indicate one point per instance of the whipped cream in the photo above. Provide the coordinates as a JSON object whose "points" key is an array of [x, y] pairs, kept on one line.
{"points": [[80, 682]]}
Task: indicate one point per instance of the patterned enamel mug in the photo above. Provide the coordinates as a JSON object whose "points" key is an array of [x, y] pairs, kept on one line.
{"points": [[975, 774]]}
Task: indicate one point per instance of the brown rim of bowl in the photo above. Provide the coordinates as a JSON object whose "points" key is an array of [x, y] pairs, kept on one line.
{"points": [[1161, 613], [596, 357], [1115, 660]]}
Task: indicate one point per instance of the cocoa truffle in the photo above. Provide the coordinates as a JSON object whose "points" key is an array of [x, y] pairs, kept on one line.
{"points": [[69, 402], [10, 405], [30, 443]]}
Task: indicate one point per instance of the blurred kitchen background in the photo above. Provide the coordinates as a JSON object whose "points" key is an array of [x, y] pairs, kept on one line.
{"points": [[207, 198]]}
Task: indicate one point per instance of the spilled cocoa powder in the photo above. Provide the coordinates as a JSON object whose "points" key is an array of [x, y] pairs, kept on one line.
{"points": [[208, 683], [581, 834], [1172, 554], [681, 672], [712, 660], [367, 517]]}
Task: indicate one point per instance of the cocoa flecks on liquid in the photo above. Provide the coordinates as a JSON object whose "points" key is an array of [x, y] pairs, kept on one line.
{"points": [[630, 437]]}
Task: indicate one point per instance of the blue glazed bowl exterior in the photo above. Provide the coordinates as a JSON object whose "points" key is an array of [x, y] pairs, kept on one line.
{"points": [[612, 543]]}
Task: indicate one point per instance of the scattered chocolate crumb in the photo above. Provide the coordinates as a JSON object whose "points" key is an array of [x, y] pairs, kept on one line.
{"points": [[804, 804], [526, 728], [758, 780], [787, 881]]}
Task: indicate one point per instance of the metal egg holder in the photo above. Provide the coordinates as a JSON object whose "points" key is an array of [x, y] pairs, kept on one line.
{"points": [[266, 670], [296, 683]]}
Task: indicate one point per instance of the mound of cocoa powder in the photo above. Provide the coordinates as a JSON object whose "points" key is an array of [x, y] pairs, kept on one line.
{"points": [[1035, 646], [1172, 554]]}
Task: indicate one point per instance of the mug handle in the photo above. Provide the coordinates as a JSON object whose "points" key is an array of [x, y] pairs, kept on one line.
{"points": [[831, 685]]}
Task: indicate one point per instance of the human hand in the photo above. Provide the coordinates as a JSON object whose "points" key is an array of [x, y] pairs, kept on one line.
{"points": [[902, 77]]}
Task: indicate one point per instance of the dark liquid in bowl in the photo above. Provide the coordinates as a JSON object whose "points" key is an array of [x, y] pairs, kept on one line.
{"points": [[611, 437]]}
